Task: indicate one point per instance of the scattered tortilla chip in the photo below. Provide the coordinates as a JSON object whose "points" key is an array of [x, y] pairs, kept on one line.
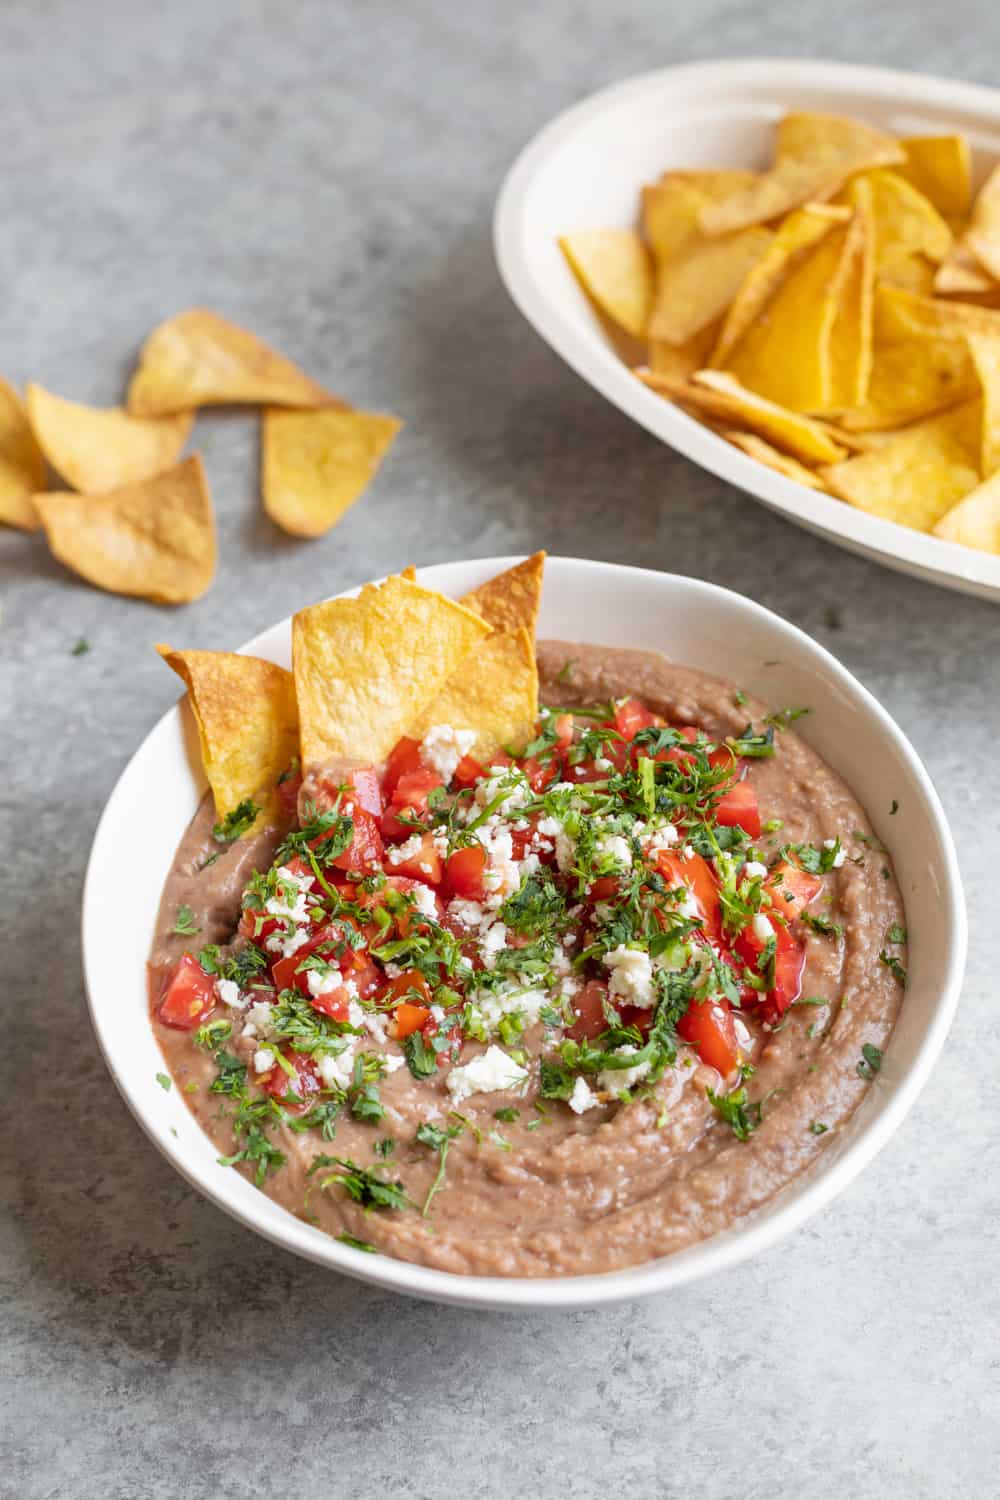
{"points": [[248, 723], [510, 601], [103, 448], [851, 333], [974, 521], [154, 540], [495, 692], [983, 234], [939, 166], [719, 396], [919, 475], [694, 288], [366, 668], [796, 234], [815, 154], [616, 270], [985, 353], [315, 464], [201, 359], [921, 362], [762, 451], [22, 463]]}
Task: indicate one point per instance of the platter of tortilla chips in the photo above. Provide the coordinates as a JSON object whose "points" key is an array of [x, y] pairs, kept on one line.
{"points": [[761, 262]]}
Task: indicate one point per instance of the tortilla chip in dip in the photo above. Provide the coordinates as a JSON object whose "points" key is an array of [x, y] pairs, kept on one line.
{"points": [[495, 692], [616, 270], [315, 464], [201, 359], [510, 601], [154, 540], [975, 521], [22, 463], [366, 668], [248, 726], [103, 448]]}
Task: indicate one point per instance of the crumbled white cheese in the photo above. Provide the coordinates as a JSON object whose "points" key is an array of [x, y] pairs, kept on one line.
{"points": [[616, 848], [839, 857], [319, 983], [467, 913], [263, 1060], [337, 1072], [393, 1061], [443, 747], [502, 875], [290, 901], [258, 1019], [762, 929], [582, 1098], [399, 853], [631, 975], [228, 992], [615, 1079], [425, 901], [490, 1073], [512, 997], [377, 1025], [602, 763], [754, 870], [500, 779], [492, 942], [660, 839]]}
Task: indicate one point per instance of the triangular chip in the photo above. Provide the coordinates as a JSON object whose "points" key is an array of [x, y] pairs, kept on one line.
{"points": [[201, 359], [814, 155], [919, 475], [851, 334], [906, 224], [22, 463], [155, 540], [921, 362], [495, 692], [983, 233], [681, 360], [315, 464], [975, 521], [510, 601], [783, 463], [985, 353], [102, 448], [366, 668], [693, 289], [248, 724], [717, 396], [672, 206], [616, 270], [939, 166], [796, 235], [962, 273]]}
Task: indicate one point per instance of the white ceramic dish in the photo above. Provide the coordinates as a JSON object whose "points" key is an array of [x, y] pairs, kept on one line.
{"points": [[584, 171], [693, 622]]}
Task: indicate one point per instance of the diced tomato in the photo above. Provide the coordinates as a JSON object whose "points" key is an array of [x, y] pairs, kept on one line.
{"points": [[674, 753], [630, 717], [467, 772], [466, 868], [366, 790], [414, 787], [189, 996], [615, 751], [588, 1003], [604, 888], [335, 1003], [304, 1082], [405, 756], [409, 1018], [737, 808], [394, 829], [791, 888], [499, 758], [365, 973], [288, 794], [723, 757], [708, 1026], [410, 988], [330, 942], [424, 865], [563, 726], [365, 849], [789, 962], [541, 773], [696, 874]]}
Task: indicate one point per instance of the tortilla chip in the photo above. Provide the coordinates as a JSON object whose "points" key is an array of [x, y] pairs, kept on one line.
{"points": [[510, 601], [248, 723], [315, 464], [154, 540], [495, 692], [681, 360], [974, 521], [921, 362], [914, 274], [201, 359], [103, 448], [762, 451], [719, 397], [983, 234], [22, 463], [985, 353], [366, 668], [906, 224], [961, 272], [851, 334], [796, 234], [614, 268], [815, 154], [694, 289], [919, 475], [672, 206], [939, 166]]}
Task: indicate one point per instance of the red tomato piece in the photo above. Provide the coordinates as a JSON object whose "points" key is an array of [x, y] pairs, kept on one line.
{"points": [[789, 962], [541, 773], [365, 849], [409, 988], [404, 756], [709, 1028], [364, 972], [189, 995], [366, 789], [604, 888], [563, 727], [588, 1003], [414, 787], [737, 808], [288, 794], [467, 772], [697, 875], [304, 1081], [409, 1018], [792, 888], [424, 865], [335, 1004], [466, 868], [630, 717]]}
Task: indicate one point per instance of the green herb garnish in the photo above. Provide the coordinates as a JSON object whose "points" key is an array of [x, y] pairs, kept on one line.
{"points": [[236, 823]]}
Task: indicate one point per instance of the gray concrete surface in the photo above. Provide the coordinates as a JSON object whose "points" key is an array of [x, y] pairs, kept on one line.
{"points": [[325, 173]]}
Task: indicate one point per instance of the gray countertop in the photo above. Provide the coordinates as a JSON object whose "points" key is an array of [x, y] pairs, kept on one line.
{"points": [[324, 173]]}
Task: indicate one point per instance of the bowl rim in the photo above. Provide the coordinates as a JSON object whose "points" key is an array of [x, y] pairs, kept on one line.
{"points": [[719, 1252], [920, 554]]}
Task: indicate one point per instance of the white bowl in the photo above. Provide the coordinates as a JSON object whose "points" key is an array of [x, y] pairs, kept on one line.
{"points": [[584, 171], [695, 623]]}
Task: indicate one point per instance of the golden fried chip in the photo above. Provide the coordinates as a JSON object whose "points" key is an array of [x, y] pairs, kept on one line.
{"points": [[693, 289], [495, 692], [906, 224], [719, 397], [974, 521], [103, 448], [155, 540], [315, 464], [366, 668], [510, 601], [616, 270], [939, 166], [815, 154], [22, 463], [201, 359], [962, 272], [248, 723], [921, 362], [983, 234], [851, 333], [985, 351], [671, 207], [919, 475], [762, 451], [796, 234]]}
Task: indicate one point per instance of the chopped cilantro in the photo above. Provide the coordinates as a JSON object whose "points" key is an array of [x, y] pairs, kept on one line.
{"points": [[870, 1062], [237, 822], [184, 926], [566, 670], [822, 924], [420, 1056], [165, 1081], [896, 934], [786, 716], [81, 648], [351, 1239], [507, 1115], [818, 1128], [894, 808], [437, 1140], [740, 1115], [739, 698], [362, 1184], [894, 966]]}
